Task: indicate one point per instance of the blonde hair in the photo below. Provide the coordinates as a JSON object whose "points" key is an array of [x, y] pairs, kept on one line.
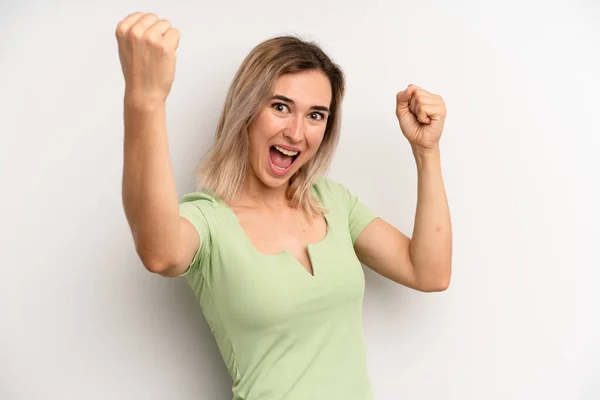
{"points": [[224, 167]]}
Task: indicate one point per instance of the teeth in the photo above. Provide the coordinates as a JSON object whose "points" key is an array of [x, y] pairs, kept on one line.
{"points": [[286, 152]]}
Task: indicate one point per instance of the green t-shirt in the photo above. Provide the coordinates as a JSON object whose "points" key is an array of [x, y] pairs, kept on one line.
{"points": [[284, 333]]}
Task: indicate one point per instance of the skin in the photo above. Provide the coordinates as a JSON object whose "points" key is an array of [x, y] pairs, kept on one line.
{"points": [[262, 208], [166, 242], [299, 123], [423, 262]]}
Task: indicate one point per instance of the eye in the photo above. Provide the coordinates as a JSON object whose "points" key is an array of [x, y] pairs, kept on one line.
{"points": [[317, 116], [280, 107]]}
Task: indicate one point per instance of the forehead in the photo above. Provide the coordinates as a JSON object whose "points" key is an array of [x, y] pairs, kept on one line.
{"points": [[308, 88]]}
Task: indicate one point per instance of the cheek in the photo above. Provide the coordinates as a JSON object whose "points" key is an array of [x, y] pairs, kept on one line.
{"points": [[264, 128], [314, 138], [254, 145], [258, 131]]}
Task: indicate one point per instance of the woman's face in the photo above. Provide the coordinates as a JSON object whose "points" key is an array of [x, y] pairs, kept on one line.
{"points": [[290, 127]]}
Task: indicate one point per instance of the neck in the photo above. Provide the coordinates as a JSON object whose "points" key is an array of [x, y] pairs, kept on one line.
{"points": [[256, 194]]}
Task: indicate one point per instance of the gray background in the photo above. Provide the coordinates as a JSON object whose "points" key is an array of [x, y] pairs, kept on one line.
{"points": [[80, 318]]}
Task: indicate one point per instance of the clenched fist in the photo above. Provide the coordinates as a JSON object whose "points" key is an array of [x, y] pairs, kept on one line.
{"points": [[421, 116], [147, 50]]}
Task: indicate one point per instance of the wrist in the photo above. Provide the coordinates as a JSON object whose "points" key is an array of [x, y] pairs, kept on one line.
{"points": [[425, 156], [426, 152], [143, 102]]}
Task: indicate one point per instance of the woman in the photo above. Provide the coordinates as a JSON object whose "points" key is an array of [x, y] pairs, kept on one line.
{"points": [[270, 247]]}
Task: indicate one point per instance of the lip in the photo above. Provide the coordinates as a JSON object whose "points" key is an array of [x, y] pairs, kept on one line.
{"points": [[286, 147], [278, 172]]}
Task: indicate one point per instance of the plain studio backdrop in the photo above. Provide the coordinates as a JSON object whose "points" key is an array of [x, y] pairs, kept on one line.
{"points": [[80, 318]]}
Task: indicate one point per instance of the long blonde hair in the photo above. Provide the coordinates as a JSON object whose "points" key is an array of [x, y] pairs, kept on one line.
{"points": [[224, 167]]}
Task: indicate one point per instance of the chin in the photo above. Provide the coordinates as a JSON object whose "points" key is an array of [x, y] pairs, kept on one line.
{"points": [[274, 178], [274, 183]]}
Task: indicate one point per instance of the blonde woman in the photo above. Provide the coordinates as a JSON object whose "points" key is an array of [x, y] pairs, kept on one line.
{"points": [[271, 248]]}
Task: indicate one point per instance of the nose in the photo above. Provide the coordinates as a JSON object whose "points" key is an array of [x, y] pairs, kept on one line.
{"points": [[294, 130]]}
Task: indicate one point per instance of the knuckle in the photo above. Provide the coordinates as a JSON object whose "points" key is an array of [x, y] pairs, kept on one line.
{"points": [[156, 43], [122, 29], [152, 41], [136, 32], [162, 46]]}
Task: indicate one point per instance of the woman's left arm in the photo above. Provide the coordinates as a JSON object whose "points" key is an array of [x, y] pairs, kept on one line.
{"points": [[423, 262]]}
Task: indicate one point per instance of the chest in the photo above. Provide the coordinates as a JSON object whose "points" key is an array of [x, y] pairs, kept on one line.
{"points": [[262, 279], [290, 232], [254, 277]]}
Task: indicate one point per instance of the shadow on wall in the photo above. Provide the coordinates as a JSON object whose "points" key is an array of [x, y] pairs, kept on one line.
{"points": [[198, 348], [169, 331]]}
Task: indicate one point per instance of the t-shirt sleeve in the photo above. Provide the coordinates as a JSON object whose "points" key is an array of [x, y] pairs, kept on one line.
{"points": [[359, 215], [199, 209]]}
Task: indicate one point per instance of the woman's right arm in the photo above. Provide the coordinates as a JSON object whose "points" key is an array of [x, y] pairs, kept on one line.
{"points": [[164, 241]]}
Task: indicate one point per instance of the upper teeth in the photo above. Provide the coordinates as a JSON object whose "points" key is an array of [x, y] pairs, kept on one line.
{"points": [[286, 152]]}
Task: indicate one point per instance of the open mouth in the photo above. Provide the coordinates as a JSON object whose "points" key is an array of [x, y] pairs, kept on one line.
{"points": [[281, 160]]}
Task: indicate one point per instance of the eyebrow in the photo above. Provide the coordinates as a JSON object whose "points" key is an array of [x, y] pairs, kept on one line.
{"points": [[288, 100]]}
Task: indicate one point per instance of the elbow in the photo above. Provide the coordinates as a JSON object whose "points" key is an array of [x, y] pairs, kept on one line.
{"points": [[438, 286], [437, 283], [157, 253], [156, 263]]}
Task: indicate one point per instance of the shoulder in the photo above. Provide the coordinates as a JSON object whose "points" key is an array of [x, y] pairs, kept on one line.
{"points": [[204, 197], [330, 192], [336, 197], [204, 200], [327, 186], [202, 209]]}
